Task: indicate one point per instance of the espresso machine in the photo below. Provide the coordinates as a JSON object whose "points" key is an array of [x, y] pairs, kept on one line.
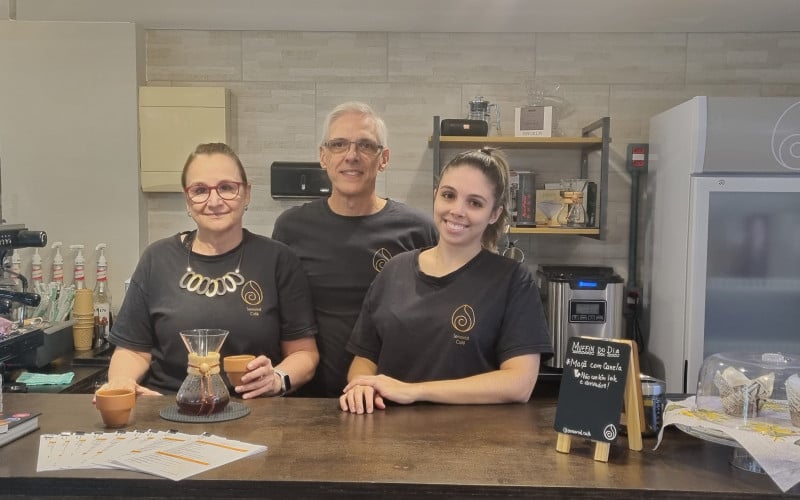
{"points": [[19, 339]]}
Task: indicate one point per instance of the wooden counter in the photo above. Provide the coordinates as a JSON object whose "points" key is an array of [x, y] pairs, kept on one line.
{"points": [[453, 451]]}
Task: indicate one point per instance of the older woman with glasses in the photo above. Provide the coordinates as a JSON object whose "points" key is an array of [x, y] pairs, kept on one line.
{"points": [[345, 239], [217, 276]]}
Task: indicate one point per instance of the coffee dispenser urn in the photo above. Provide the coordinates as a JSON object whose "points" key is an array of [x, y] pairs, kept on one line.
{"points": [[580, 301]]}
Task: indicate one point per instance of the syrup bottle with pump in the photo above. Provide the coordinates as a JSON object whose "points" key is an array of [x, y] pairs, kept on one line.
{"points": [[102, 299], [57, 275], [78, 274], [36, 269]]}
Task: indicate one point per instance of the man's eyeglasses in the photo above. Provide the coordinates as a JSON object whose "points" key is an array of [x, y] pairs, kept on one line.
{"points": [[366, 148], [227, 190]]}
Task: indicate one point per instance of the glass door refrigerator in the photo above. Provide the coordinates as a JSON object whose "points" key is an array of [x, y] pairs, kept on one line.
{"points": [[721, 268]]}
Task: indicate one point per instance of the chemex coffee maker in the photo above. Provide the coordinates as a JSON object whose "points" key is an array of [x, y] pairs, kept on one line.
{"points": [[572, 213]]}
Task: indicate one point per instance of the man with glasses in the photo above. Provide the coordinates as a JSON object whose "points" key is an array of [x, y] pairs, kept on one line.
{"points": [[344, 240]]}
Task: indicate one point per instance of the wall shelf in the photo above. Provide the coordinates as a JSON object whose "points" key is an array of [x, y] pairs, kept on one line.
{"points": [[587, 231], [595, 139], [523, 142]]}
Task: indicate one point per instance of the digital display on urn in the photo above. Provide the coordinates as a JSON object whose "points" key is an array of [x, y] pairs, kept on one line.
{"points": [[587, 308]]}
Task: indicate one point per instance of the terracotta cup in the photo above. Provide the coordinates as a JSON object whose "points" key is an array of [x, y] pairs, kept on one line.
{"points": [[236, 366], [115, 406]]}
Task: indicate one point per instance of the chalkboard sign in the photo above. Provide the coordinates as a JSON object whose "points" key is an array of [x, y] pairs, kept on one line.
{"points": [[592, 391]]}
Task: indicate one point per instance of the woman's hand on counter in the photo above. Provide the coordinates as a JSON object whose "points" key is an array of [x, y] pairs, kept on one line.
{"points": [[361, 399]]}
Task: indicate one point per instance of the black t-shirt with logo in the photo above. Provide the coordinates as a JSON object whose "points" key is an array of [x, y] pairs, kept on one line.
{"points": [[419, 328], [341, 256], [272, 305]]}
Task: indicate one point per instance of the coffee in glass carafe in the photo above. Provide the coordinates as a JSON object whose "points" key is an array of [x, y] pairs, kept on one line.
{"points": [[203, 392]]}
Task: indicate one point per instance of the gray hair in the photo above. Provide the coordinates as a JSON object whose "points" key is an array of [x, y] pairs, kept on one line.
{"points": [[359, 108]]}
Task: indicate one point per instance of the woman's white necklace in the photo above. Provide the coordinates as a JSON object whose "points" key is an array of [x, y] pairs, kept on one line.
{"points": [[210, 287]]}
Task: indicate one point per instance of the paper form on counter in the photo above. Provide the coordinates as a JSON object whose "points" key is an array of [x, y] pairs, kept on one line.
{"points": [[189, 458], [96, 450], [113, 445], [170, 454]]}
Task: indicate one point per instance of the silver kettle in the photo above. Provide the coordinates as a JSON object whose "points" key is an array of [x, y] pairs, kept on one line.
{"points": [[481, 109]]}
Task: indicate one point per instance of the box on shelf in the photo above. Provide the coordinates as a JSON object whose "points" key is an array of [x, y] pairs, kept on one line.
{"points": [[513, 187], [533, 121], [526, 199], [590, 204]]}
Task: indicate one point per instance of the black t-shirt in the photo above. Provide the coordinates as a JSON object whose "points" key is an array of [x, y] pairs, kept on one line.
{"points": [[341, 256], [273, 305], [419, 328]]}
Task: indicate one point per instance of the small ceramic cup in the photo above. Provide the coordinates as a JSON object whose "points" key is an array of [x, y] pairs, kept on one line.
{"points": [[236, 366], [115, 406]]}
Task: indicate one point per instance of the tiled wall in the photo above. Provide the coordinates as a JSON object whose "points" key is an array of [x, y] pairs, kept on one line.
{"points": [[283, 84]]}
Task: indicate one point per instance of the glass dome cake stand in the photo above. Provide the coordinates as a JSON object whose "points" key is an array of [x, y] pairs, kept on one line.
{"points": [[740, 386], [740, 458]]}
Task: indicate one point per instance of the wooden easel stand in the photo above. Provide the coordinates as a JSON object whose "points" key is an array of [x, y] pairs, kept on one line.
{"points": [[633, 415]]}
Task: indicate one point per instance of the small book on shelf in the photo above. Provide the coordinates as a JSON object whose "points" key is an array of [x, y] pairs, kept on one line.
{"points": [[15, 425]]}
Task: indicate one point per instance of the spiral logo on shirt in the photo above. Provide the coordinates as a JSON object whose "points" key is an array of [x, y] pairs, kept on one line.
{"points": [[463, 319], [252, 294], [380, 258]]}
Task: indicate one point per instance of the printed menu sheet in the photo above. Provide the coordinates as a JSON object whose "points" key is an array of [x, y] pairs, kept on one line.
{"points": [[170, 454]]}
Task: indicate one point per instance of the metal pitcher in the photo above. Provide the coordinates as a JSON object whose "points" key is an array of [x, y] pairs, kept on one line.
{"points": [[481, 109]]}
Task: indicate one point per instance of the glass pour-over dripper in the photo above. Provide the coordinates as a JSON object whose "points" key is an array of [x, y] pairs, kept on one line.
{"points": [[550, 210], [203, 392], [572, 213]]}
